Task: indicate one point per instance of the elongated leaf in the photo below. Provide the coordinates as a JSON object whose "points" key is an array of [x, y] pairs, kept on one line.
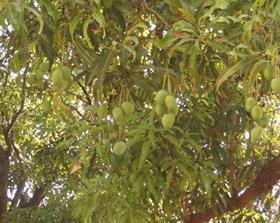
{"points": [[166, 42], [173, 140], [219, 4], [139, 25], [144, 153], [132, 51], [186, 12], [51, 10], [258, 67], [85, 54], [39, 17], [101, 65], [169, 177], [206, 182], [85, 31], [193, 63], [225, 76], [98, 16], [74, 23], [123, 57]]}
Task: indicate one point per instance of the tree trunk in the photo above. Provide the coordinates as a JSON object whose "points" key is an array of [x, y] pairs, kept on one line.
{"points": [[267, 178], [4, 173]]}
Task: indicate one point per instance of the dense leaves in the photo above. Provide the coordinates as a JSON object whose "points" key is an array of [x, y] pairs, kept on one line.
{"points": [[137, 111]]}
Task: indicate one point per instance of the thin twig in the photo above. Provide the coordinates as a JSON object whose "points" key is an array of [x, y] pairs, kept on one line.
{"points": [[155, 13], [86, 93], [19, 111]]}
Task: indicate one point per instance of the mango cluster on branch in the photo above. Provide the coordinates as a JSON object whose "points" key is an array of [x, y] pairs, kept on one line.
{"points": [[166, 107], [123, 112], [255, 110], [259, 116]]}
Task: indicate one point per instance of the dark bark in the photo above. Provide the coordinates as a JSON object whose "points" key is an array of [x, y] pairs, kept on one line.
{"points": [[5, 153], [18, 194], [268, 177], [4, 174], [38, 195]]}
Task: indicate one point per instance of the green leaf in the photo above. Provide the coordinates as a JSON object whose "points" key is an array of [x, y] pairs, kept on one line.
{"points": [[206, 183], [84, 52], [39, 17], [123, 56], [225, 76], [222, 4], [100, 66], [173, 140], [51, 10], [169, 177], [99, 17], [107, 3], [166, 42], [248, 26], [74, 23], [193, 62], [144, 153], [186, 12], [258, 67], [132, 51], [85, 30]]}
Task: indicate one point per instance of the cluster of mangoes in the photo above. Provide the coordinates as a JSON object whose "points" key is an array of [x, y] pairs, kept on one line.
{"points": [[61, 77], [256, 111], [166, 108], [124, 112], [269, 74], [259, 116], [37, 77], [121, 114]]}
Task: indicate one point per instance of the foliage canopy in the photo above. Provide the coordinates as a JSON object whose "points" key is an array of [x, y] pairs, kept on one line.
{"points": [[139, 111]]}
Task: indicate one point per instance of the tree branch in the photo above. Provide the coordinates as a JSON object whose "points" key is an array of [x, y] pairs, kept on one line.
{"points": [[269, 176], [38, 195], [19, 111], [86, 93], [155, 14], [21, 184], [230, 166], [18, 194], [4, 176]]}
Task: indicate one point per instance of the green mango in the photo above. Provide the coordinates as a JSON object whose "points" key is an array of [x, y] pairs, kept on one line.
{"points": [[160, 97], [256, 133], [128, 108], [118, 114], [264, 121], [171, 103], [268, 72], [250, 103], [119, 148], [257, 112], [275, 85], [168, 120], [160, 110]]}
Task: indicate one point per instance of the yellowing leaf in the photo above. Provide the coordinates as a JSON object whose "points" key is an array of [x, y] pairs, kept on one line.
{"points": [[77, 166]]}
